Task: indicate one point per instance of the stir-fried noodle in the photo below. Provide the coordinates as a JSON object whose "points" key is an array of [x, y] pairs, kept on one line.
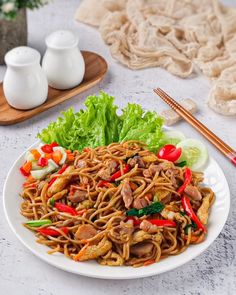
{"points": [[101, 229]]}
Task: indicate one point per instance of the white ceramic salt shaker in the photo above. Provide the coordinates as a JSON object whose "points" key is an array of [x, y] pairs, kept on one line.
{"points": [[63, 62], [25, 84]]}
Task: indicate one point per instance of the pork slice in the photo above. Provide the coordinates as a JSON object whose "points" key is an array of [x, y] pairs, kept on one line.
{"points": [[127, 194], [78, 196], [141, 249]]}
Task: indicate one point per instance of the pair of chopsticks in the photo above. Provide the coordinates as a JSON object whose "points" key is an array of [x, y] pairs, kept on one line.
{"points": [[225, 149]]}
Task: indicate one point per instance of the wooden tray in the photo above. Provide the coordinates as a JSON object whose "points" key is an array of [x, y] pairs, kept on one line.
{"points": [[95, 70]]}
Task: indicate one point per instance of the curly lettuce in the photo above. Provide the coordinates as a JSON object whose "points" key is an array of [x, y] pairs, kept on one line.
{"points": [[99, 125]]}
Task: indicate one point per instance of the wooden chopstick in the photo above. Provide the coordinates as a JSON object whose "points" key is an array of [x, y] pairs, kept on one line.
{"points": [[209, 135], [191, 117]]}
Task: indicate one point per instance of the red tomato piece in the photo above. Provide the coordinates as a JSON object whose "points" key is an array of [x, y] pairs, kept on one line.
{"points": [[169, 152]]}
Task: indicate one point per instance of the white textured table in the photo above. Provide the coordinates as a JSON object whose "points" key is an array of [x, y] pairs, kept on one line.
{"points": [[214, 272]]}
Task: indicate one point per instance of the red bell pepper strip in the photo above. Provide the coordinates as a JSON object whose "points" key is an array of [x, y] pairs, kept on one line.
{"points": [[136, 222], [63, 169], [65, 208], [187, 180], [42, 162], [189, 210], [103, 183], [118, 174], [162, 222], [52, 232], [169, 152]]}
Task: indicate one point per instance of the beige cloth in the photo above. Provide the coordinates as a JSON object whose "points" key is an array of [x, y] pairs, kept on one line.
{"points": [[181, 36]]}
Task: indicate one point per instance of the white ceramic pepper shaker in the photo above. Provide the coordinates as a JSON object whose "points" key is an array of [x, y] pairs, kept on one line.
{"points": [[25, 84], [63, 62]]}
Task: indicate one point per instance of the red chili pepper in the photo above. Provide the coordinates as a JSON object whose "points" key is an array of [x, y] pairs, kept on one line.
{"points": [[53, 144], [105, 183], [135, 221], [65, 208], [52, 232], [59, 172], [162, 222], [187, 180], [42, 162], [118, 174], [47, 148], [169, 152], [189, 210]]}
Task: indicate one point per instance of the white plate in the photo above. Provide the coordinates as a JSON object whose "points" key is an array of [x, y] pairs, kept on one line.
{"points": [[214, 177]]}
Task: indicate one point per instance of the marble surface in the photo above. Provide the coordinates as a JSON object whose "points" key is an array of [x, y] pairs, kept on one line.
{"points": [[214, 272]]}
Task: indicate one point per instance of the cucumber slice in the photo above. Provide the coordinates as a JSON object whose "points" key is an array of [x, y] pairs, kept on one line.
{"points": [[194, 152], [173, 137]]}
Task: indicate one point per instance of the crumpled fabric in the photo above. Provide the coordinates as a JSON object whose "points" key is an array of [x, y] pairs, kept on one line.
{"points": [[182, 36]]}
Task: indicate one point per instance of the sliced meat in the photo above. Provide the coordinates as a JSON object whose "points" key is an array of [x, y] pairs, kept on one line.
{"points": [[203, 211], [127, 194], [112, 165], [136, 160], [85, 232], [141, 249], [153, 169], [78, 196], [94, 251], [60, 183], [81, 164], [104, 174], [123, 230], [193, 192], [140, 203], [148, 227]]}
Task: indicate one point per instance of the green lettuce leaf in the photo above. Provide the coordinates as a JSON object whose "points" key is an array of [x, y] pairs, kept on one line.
{"points": [[99, 125], [95, 126], [142, 126]]}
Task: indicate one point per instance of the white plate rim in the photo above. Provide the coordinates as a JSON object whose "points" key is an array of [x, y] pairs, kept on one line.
{"points": [[150, 270]]}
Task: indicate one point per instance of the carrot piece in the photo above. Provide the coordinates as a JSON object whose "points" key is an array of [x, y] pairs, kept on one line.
{"points": [[133, 186], [81, 253], [48, 156], [27, 167], [148, 262], [57, 156], [30, 179], [70, 157], [36, 154]]}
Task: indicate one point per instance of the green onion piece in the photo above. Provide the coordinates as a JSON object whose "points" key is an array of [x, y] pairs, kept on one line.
{"points": [[37, 223], [155, 207], [52, 202], [132, 212], [181, 164], [192, 225]]}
